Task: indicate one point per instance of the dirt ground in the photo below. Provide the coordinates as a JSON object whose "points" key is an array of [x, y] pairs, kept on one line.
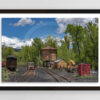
{"points": [[39, 75]]}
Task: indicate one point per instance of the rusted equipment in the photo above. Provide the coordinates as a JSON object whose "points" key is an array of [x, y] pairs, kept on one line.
{"points": [[71, 62], [60, 63], [3, 63], [11, 62], [49, 55], [84, 69], [72, 67], [30, 66]]}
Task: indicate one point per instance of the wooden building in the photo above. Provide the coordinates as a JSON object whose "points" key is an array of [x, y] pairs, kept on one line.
{"points": [[60, 63], [49, 55]]}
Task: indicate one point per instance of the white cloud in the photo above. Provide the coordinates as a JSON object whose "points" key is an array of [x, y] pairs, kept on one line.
{"points": [[63, 22], [24, 21], [15, 42]]}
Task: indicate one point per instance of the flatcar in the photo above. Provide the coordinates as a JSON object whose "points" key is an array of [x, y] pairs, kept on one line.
{"points": [[11, 63]]}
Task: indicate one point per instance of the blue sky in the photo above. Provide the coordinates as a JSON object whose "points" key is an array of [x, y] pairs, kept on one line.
{"points": [[41, 27], [18, 32]]}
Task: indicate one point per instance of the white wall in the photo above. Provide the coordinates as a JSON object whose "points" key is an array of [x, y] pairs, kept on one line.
{"points": [[49, 4], [49, 95]]}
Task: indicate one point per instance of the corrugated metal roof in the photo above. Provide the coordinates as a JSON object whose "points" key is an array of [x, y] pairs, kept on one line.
{"points": [[58, 60]]}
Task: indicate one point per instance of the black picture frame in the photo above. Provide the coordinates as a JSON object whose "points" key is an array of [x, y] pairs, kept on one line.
{"points": [[48, 11]]}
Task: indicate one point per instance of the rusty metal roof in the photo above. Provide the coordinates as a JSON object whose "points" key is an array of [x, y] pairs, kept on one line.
{"points": [[49, 48]]}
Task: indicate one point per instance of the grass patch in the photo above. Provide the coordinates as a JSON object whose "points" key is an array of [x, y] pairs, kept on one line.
{"points": [[84, 76], [6, 74], [21, 63], [17, 69], [76, 75]]}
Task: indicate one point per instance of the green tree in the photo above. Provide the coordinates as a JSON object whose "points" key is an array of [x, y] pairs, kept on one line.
{"points": [[76, 32], [51, 42], [85, 42], [6, 51]]}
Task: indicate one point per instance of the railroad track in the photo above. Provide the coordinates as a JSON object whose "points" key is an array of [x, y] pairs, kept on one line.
{"points": [[56, 76]]}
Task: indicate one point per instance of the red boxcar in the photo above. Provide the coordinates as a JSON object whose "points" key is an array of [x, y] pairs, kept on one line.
{"points": [[84, 69], [3, 63]]}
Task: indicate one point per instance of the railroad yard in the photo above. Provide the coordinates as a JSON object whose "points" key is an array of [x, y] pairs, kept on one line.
{"points": [[71, 56], [48, 75]]}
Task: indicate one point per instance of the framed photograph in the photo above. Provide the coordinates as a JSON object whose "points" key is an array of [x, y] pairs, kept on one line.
{"points": [[49, 49]]}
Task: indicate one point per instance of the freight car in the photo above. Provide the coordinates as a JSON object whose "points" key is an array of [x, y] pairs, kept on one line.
{"points": [[31, 66], [3, 63], [11, 62]]}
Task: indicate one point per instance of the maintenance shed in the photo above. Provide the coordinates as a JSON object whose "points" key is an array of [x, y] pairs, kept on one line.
{"points": [[60, 63]]}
